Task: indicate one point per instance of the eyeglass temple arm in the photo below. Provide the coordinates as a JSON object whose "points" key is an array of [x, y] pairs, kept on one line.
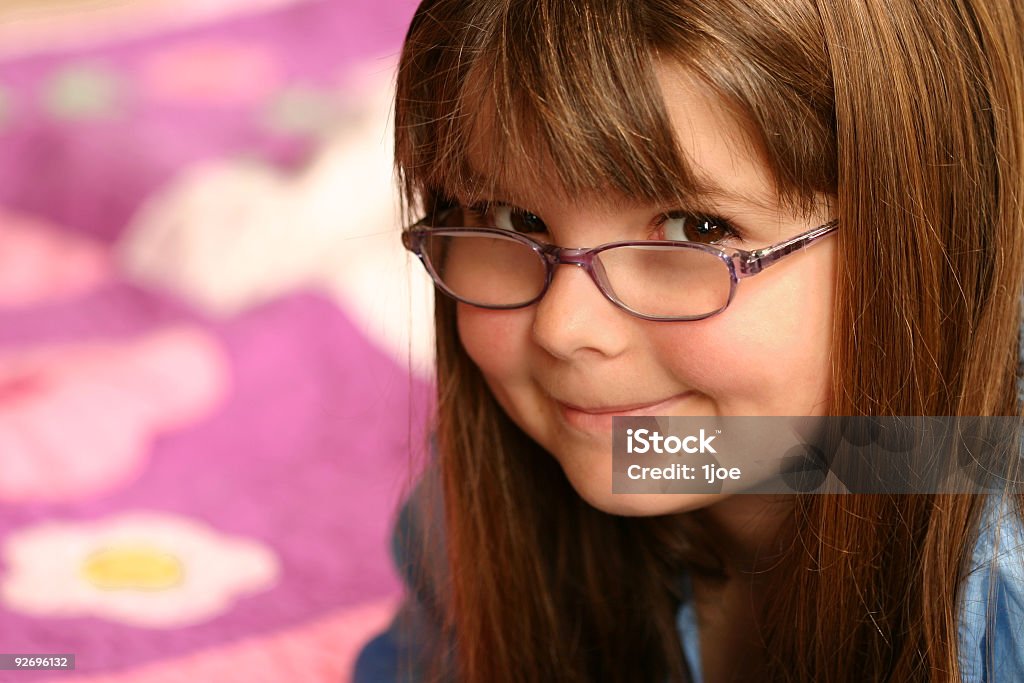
{"points": [[753, 262]]}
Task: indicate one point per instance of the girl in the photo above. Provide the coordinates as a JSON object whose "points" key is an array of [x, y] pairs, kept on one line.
{"points": [[884, 138]]}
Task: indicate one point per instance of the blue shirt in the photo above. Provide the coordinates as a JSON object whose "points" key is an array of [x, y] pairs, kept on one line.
{"points": [[992, 608], [993, 602]]}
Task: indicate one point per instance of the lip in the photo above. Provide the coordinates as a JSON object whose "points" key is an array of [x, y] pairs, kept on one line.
{"points": [[599, 418]]}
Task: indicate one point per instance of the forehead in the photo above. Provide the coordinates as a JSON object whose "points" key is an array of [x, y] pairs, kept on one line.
{"points": [[556, 131], [723, 151], [708, 157]]}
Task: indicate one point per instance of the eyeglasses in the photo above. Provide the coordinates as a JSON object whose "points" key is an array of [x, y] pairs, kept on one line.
{"points": [[653, 279]]}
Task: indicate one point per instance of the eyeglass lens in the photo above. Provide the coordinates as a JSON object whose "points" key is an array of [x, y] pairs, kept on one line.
{"points": [[654, 281]]}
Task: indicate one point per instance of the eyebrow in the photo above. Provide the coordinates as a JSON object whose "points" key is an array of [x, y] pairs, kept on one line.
{"points": [[481, 187], [478, 186], [758, 199]]}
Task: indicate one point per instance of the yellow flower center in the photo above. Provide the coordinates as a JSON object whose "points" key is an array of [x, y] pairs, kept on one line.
{"points": [[138, 567]]}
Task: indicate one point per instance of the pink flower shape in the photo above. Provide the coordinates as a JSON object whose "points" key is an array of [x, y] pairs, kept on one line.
{"points": [[147, 569], [212, 73], [77, 421], [40, 262]]}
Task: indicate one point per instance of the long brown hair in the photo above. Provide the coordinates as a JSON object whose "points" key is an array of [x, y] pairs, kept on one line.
{"points": [[909, 114]]}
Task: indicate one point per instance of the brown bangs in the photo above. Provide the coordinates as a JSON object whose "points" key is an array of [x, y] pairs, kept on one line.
{"points": [[511, 99]]}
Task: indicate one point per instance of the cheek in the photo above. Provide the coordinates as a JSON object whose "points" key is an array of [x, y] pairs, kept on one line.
{"points": [[497, 341], [769, 353]]}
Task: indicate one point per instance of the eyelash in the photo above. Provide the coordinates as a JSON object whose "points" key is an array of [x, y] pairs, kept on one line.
{"points": [[480, 211], [732, 233], [726, 224]]}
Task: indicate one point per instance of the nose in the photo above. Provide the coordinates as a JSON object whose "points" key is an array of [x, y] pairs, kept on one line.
{"points": [[574, 317]]}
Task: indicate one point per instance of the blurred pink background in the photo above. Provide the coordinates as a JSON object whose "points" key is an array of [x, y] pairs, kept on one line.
{"points": [[214, 354]]}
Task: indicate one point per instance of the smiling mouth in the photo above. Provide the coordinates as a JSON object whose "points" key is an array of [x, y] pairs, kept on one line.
{"points": [[599, 418], [625, 409]]}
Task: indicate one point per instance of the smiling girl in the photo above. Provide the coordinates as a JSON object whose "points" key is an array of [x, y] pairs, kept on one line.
{"points": [[715, 208]]}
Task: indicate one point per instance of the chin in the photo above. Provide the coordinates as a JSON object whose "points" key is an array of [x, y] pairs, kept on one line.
{"points": [[595, 487], [634, 504], [648, 504]]}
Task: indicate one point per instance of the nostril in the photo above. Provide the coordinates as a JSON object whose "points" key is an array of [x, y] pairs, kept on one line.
{"points": [[575, 316]]}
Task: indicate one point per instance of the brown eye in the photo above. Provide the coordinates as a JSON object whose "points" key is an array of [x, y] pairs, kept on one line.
{"points": [[517, 220], [689, 227], [503, 217]]}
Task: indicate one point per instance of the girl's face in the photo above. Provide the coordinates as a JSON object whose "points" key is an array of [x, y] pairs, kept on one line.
{"points": [[563, 366]]}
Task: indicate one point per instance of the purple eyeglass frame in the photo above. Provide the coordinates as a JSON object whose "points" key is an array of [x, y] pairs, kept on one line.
{"points": [[740, 262]]}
